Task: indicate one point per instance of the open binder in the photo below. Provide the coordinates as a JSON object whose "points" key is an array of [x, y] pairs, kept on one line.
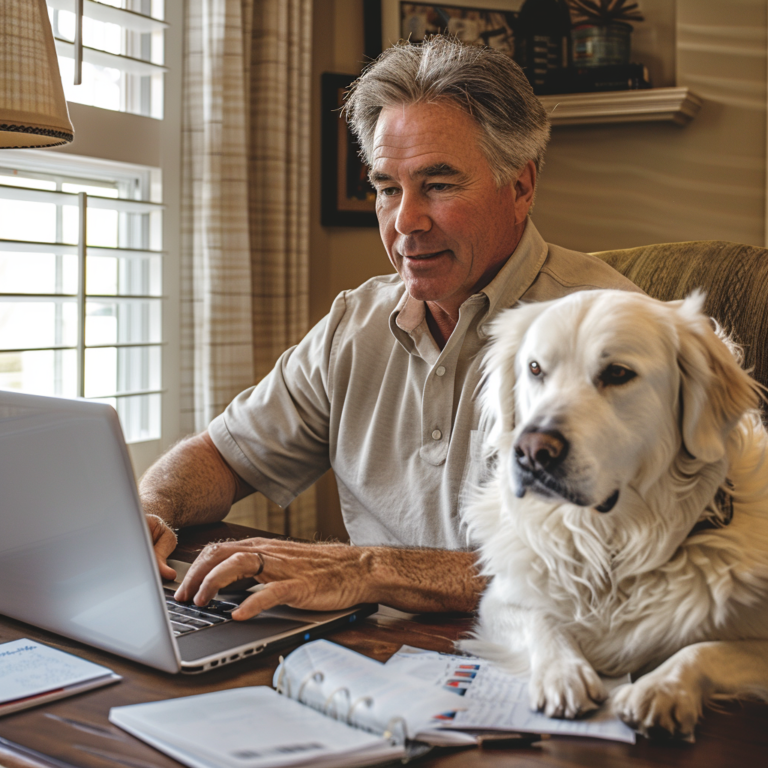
{"points": [[334, 707], [366, 694]]}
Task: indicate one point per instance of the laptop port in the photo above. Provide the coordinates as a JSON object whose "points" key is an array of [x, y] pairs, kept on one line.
{"points": [[235, 657], [215, 663], [247, 651]]}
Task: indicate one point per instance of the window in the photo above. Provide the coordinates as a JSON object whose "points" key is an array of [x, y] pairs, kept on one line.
{"points": [[123, 53], [101, 340], [113, 338]]}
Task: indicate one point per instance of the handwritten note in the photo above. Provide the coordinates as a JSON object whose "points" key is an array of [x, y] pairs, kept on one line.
{"points": [[28, 668]]}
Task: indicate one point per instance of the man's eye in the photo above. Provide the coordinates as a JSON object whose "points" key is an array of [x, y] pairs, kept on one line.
{"points": [[439, 187], [615, 375], [387, 191]]}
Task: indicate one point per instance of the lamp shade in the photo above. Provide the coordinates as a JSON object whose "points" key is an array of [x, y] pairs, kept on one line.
{"points": [[33, 110]]}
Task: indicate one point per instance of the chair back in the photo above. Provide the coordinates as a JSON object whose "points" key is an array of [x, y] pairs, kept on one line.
{"points": [[734, 278]]}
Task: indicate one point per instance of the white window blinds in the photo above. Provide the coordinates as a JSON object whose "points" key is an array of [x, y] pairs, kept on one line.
{"points": [[122, 53], [80, 289]]}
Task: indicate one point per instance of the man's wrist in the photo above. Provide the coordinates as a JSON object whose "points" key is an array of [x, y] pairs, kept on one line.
{"points": [[374, 573], [163, 523], [386, 574], [157, 506], [421, 580]]}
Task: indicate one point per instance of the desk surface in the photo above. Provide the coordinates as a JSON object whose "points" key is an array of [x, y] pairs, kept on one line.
{"points": [[76, 730]]}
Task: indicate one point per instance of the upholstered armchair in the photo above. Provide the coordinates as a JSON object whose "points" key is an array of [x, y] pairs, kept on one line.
{"points": [[734, 277]]}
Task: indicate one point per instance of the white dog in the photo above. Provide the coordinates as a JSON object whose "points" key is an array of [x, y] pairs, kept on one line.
{"points": [[625, 524]]}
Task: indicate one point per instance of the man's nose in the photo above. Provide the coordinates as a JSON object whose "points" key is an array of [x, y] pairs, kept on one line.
{"points": [[412, 215]]}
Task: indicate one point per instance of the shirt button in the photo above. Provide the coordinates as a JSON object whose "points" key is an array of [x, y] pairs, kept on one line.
{"points": [[440, 370], [437, 434]]}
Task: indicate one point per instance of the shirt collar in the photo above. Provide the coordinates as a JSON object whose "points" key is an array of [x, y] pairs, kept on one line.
{"points": [[505, 290], [518, 273]]}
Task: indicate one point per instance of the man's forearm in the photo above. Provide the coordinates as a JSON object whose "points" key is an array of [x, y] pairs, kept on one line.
{"points": [[424, 580], [328, 577], [191, 484]]}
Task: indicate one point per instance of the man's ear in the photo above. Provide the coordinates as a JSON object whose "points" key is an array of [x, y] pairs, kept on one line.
{"points": [[524, 188], [714, 390], [497, 399]]}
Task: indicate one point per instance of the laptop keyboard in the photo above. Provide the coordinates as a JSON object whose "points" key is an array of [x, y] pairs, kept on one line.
{"points": [[187, 618]]}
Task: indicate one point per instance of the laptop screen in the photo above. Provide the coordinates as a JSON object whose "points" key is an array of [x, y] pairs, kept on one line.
{"points": [[75, 554]]}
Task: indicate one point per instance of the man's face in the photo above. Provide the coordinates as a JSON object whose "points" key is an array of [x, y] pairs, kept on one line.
{"points": [[446, 225]]}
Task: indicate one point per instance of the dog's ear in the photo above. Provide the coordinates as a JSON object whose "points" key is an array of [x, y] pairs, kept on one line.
{"points": [[715, 390], [497, 399]]}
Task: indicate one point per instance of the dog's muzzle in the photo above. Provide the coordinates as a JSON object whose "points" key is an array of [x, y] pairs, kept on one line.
{"points": [[539, 459]]}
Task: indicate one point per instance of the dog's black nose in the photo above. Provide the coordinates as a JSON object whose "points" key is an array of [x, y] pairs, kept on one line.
{"points": [[540, 450]]}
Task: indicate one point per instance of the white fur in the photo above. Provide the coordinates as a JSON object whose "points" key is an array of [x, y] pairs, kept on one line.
{"points": [[575, 592]]}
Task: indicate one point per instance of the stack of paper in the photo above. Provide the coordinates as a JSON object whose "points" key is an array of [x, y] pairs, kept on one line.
{"points": [[31, 674]]}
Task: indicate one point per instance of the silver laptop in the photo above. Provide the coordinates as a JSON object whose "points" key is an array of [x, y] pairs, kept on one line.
{"points": [[76, 557]]}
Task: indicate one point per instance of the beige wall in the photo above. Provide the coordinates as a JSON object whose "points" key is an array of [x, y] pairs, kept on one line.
{"points": [[603, 186], [625, 185], [341, 257]]}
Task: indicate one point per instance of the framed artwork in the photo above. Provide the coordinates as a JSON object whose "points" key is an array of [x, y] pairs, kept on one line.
{"points": [[347, 198], [480, 22]]}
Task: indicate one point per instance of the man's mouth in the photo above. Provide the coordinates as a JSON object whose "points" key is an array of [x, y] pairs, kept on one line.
{"points": [[423, 256], [546, 485]]}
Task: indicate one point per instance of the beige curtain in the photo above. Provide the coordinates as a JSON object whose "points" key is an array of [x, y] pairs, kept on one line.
{"points": [[245, 209]]}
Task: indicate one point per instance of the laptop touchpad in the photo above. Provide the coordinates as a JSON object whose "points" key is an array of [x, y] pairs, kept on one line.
{"points": [[196, 645]]}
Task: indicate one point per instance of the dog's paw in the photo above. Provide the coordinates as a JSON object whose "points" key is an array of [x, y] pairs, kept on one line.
{"points": [[566, 688], [659, 706]]}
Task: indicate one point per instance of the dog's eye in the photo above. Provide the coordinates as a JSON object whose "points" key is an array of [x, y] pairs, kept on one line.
{"points": [[534, 368], [614, 375]]}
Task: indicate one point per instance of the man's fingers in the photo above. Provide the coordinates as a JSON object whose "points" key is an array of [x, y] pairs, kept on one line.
{"points": [[166, 572], [239, 565], [275, 593], [209, 558], [215, 554]]}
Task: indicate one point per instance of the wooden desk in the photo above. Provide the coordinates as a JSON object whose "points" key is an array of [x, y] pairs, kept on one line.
{"points": [[76, 730]]}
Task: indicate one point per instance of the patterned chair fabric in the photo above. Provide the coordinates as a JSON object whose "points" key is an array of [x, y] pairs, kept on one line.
{"points": [[734, 278]]}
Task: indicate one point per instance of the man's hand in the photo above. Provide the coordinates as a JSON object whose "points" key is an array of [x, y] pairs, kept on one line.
{"points": [[191, 484], [321, 577], [325, 577], [164, 542]]}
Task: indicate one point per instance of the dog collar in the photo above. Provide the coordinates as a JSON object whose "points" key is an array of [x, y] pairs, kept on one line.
{"points": [[723, 508]]}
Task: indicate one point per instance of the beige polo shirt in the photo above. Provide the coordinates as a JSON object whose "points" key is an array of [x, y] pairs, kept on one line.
{"points": [[369, 393]]}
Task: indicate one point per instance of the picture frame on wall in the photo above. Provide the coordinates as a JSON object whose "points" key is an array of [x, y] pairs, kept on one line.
{"points": [[481, 22], [347, 197]]}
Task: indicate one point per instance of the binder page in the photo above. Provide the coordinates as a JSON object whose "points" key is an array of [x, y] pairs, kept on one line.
{"points": [[364, 691], [250, 727], [491, 698]]}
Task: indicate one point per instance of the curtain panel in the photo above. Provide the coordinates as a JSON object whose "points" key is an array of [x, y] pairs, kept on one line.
{"points": [[245, 210]]}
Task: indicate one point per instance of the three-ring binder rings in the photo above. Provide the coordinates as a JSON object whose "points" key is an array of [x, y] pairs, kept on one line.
{"points": [[337, 708]]}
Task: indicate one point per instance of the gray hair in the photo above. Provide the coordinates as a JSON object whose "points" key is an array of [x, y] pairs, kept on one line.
{"points": [[487, 84]]}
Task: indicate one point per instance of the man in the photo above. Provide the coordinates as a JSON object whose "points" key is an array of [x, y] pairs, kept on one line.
{"points": [[384, 388]]}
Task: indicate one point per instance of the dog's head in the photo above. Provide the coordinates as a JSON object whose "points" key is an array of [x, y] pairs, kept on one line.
{"points": [[602, 390]]}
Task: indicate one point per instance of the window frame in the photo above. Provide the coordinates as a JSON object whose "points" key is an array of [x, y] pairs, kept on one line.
{"points": [[103, 135]]}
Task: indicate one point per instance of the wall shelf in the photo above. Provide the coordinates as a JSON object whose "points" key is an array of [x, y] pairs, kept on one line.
{"points": [[677, 105]]}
